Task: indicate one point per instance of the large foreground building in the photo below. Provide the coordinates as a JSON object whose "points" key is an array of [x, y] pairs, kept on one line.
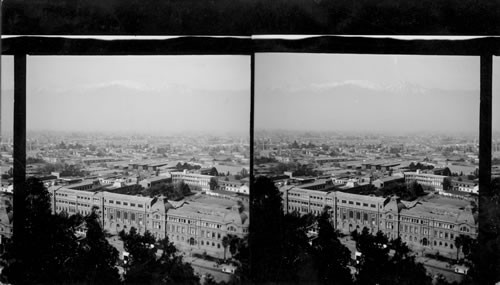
{"points": [[191, 225], [422, 225]]}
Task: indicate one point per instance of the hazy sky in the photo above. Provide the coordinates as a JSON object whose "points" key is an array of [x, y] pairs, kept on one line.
{"points": [[212, 93], [153, 94], [386, 93]]}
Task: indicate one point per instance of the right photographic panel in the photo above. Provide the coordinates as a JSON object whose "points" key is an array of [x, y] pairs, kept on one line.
{"points": [[366, 168]]}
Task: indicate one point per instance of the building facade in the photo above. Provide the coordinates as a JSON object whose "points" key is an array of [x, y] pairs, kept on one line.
{"points": [[235, 186], [200, 228], [422, 225], [192, 179], [431, 180], [465, 186], [190, 225]]}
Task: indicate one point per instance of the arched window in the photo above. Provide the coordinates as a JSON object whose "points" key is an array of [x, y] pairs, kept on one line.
{"points": [[424, 241]]}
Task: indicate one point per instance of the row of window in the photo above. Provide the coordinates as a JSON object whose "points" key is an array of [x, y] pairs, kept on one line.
{"points": [[358, 215], [83, 197], [125, 216], [411, 220], [316, 197], [72, 210], [414, 239], [194, 232], [192, 241], [125, 203], [65, 202], [299, 202], [358, 203], [194, 222]]}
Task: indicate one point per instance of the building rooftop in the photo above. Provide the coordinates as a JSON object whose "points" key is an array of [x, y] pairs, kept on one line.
{"points": [[390, 178], [440, 212]]}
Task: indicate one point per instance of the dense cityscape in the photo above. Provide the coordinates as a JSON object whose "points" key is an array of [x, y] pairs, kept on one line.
{"points": [[419, 189], [355, 177], [371, 165], [192, 189]]}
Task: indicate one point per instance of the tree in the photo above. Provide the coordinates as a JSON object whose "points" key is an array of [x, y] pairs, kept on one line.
{"points": [[414, 190], [447, 184], [412, 166], [37, 261], [213, 183], [173, 191], [471, 177], [51, 251], [281, 239], [331, 257], [376, 266], [404, 268], [182, 188], [464, 242], [266, 228], [374, 257], [295, 248], [154, 263], [244, 173], [95, 259], [225, 244], [486, 259], [458, 243]]}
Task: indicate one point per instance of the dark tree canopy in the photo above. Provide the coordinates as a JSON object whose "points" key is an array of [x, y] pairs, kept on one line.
{"points": [[486, 256], [330, 255], [52, 253], [152, 262], [406, 191], [173, 191], [387, 262], [213, 183], [265, 229]]}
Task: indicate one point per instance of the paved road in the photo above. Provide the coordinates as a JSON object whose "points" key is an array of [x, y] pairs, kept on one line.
{"points": [[433, 266], [203, 267], [438, 267], [200, 266]]}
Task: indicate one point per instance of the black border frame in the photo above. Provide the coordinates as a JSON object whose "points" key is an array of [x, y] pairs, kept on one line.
{"points": [[485, 48]]}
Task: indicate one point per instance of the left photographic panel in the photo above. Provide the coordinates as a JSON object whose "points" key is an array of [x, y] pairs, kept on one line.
{"points": [[145, 160], [6, 148]]}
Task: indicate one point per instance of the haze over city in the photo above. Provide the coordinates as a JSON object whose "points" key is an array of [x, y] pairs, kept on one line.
{"points": [[153, 94]]}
